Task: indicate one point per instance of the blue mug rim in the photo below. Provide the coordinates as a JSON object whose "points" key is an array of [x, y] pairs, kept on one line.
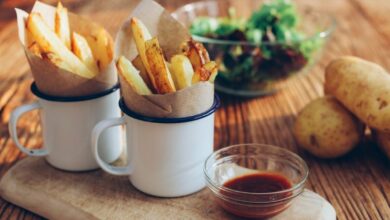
{"points": [[36, 92], [135, 115]]}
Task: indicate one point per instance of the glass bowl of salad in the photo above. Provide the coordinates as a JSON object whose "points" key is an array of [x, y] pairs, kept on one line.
{"points": [[258, 44]]}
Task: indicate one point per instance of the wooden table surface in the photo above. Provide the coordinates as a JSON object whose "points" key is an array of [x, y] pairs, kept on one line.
{"points": [[357, 185]]}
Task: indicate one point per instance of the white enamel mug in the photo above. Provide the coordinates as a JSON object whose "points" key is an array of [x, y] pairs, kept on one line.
{"points": [[165, 155], [67, 124]]}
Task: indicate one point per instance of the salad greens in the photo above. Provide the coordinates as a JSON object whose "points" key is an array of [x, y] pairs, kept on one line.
{"points": [[274, 47]]}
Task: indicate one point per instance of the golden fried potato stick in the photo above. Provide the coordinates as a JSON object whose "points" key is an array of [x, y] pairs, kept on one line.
{"points": [[158, 67], [82, 50], [141, 35], [61, 24], [102, 47], [51, 44], [139, 65], [132, 77], [56, 60], [197, 54], [207, 72], [34, 48], [182, 71]]}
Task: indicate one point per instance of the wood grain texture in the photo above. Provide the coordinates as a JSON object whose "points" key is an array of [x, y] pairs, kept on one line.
{"points": [[98, 195], [357, 185]]}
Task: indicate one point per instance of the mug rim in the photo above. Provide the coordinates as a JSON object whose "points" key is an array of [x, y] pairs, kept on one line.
{"points": [[135, 115], [39, 94]]}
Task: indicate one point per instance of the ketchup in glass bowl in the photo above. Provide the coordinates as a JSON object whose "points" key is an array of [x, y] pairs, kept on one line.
{"points": [[255, 180]]}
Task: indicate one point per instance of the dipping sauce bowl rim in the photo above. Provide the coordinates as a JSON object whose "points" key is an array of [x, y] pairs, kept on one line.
{"points": [[296, 190]]}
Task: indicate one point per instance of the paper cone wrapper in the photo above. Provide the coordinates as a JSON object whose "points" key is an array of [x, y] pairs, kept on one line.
{"points": [[171, 34], [52, 80]]}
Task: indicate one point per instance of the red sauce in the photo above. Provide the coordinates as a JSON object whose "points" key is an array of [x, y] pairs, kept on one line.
{"points": [[259, 183], [256, 183]]}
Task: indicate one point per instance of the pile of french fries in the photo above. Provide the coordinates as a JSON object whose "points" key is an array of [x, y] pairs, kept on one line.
{"points": [[150, 73], [85, 56]]}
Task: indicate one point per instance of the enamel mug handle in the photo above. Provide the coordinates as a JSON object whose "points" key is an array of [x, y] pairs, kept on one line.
{"points": [[15, 115], [97, 130]]}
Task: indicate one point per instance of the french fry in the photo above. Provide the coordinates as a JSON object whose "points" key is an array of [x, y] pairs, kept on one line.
{"points": [[182, 71], [61, 24], [56, 60], [158, 67], [139, 65], [29, 39], [207, 72], [50, 43], [197, 54], [34, 48], [132, 77], [141, 35], [102, 47], [82, 50], [212, 67], [201, 74], [213, 76]]}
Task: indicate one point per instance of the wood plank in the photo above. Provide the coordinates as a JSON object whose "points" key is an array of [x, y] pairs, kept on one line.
{"points": [[82, 195], [357, 185]]}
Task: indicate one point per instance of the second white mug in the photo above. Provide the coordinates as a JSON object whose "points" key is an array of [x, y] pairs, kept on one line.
{"points": [[165, 155]]}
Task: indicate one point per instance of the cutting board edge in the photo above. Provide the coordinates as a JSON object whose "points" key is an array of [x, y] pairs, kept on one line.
{"points": [[40, 205], [20, 186]]}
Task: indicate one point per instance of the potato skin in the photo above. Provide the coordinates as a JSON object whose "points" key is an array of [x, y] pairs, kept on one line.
{"points": [[363, 88], [383, 140], [326, 129]]}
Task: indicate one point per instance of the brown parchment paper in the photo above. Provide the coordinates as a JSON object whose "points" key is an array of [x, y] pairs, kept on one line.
{"points": [[52, 80], [171, 34]]}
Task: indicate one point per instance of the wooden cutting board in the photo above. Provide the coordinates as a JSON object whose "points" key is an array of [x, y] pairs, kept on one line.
{"points": [[36, 186]]}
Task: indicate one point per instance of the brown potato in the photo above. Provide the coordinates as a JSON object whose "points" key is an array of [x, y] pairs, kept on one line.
{"points": [[363, 88], [326, 129], [383, 140]]}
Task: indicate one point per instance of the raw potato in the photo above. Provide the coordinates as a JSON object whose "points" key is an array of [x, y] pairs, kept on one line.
{"points": [[383, 140], [326, 129], [362, 87]]}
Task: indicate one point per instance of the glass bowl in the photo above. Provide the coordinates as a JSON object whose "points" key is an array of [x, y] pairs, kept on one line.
{"points": [[244, 70], [236, 161]]}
